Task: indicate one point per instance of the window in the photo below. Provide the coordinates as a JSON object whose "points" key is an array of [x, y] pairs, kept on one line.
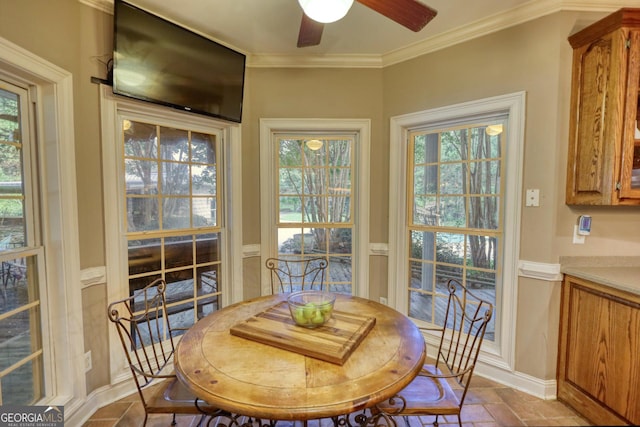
{"points": [[315, 213], [314, 177], [50, 218], [38, 209], [169, 183], [454, 213], [456, 224], [22, 380], [173, 227]]}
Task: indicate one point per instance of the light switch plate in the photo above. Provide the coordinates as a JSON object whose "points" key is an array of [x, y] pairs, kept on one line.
{"points": [[532, 197]]}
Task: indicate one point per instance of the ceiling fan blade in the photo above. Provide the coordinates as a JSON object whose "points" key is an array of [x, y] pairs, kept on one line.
{"points": [[409, 13], [310, 32]]}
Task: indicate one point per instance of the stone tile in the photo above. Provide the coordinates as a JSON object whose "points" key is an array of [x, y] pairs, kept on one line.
{"points": [[133, 397], [162, 420], [511, 395], [488, 404], [482, 395], [522, 404], [113, 411], [99, 423], [503, 415], [571, 421], [409, 422], [478, 382], [135, 414], [472, 413], [428, 419], [553, 409]]}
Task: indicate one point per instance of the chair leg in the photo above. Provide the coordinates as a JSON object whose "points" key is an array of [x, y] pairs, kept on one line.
{"points": [[173, 420], [435, 423]]}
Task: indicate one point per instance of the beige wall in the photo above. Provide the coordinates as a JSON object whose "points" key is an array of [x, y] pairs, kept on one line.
{"points": [[524, 58], [311, 93], [76, 37], [534, 57]]}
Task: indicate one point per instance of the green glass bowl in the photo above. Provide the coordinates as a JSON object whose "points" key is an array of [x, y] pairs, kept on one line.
{"points": [[311, 308]]}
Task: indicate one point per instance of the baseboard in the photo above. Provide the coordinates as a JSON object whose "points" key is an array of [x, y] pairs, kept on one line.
{"points": [[543, 389]]}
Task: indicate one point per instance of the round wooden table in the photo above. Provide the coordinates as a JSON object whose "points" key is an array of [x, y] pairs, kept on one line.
{"points": [[259, 380]]}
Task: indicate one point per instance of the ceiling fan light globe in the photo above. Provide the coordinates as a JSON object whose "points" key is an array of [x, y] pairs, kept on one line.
{"points": [[325, 11]]}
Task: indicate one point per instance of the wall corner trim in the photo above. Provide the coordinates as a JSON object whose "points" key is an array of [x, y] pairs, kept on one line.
{"points": [[539, 270]]}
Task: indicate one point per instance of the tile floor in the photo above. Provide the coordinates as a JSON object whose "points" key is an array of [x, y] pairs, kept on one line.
{"points": [[488, 404]]}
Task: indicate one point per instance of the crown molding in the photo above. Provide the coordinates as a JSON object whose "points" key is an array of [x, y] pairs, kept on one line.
{"points": [[534, 9], [313, 61], [526, 12], [103, 5]]}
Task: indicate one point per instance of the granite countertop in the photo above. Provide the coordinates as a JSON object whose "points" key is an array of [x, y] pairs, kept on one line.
{"points": [[621, 273], [622, 278]]}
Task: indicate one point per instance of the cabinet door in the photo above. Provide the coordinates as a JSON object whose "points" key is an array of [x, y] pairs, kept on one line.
{"points": [[597, 99], [630, 163], [599, 369]]}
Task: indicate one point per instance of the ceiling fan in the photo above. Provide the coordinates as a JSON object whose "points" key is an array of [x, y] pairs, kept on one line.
{"points": [[409, 13]]}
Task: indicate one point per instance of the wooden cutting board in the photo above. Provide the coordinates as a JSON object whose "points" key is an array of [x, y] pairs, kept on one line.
{"points": [[332, 342]]}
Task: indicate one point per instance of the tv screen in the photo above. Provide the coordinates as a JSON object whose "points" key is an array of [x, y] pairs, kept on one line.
{"points": [[158, 61]]}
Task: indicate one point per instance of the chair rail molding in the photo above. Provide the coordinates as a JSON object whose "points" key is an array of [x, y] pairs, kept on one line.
{"points": [[249, 251], [539, 270], [93, 276], [379, 249]]}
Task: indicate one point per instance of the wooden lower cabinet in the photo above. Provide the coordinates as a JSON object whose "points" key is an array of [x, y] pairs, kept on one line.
{"points": [[599, 352]]}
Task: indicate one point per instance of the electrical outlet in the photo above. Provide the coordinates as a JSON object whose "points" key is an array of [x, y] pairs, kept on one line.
{"points": [[87, 361], [383, 300]]}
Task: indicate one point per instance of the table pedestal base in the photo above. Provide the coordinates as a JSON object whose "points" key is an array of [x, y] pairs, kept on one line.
{"points": [[357, 419]]}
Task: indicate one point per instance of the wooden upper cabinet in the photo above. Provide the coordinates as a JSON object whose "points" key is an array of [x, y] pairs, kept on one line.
{"points": [[604, 140]]}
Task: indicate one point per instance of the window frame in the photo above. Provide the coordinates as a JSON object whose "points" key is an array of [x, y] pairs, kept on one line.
{"points": [[269, 130], [501, 353], [52, 93], [116, 248]]}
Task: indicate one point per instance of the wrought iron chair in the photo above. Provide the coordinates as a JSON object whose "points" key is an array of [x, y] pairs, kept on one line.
{"points": [[147, 339], [289, 275], [430, 393]]}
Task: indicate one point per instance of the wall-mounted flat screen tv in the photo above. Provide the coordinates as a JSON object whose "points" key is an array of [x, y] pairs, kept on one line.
{"points": [[158, 61]]}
